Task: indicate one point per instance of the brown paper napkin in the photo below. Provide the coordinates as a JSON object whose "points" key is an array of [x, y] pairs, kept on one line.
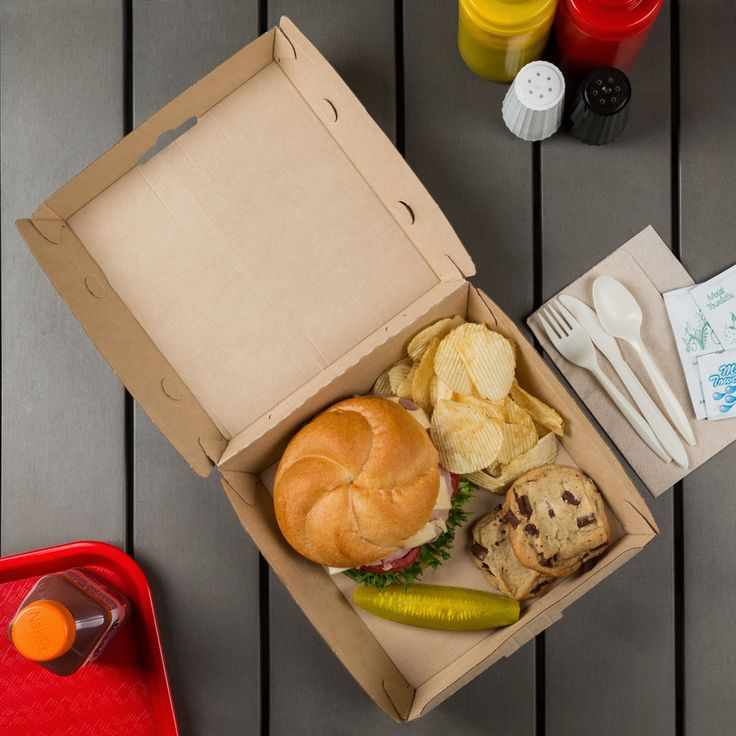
{"points": [[647, 268]]}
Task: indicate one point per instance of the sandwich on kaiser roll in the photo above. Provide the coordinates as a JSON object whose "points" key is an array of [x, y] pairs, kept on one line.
{"points": [[359, 489]]}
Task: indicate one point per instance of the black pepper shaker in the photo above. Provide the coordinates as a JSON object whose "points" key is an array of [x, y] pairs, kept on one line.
{"points": [[601, 107]]}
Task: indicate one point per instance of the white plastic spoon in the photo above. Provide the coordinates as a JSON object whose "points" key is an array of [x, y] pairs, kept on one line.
{"points": [[621, 316]]}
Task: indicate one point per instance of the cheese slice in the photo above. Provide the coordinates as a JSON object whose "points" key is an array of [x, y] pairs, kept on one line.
{"points": [[426, 534], [444, 497]]}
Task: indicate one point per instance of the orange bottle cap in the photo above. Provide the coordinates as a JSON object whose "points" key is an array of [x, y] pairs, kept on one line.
{"points": [[43, 630]]}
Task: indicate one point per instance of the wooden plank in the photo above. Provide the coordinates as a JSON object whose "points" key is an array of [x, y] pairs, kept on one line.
{"points": [[708, 223], [62, 407], [610, 665], [456, 141], [310, 690], [481, 177], [203, 566]]}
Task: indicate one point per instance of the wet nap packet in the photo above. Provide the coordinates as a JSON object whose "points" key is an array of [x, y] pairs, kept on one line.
{"points": [[694, 337], [717, 300], [718, 378]]}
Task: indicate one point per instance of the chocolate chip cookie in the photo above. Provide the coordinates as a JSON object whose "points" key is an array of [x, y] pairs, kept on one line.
{"points": [[556, 520], [492, 553]]}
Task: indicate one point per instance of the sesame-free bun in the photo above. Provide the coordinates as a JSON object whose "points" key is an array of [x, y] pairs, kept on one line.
{"points": [[355, 482]]}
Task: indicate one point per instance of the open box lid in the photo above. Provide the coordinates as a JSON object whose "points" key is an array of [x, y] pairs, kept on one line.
{"points": [[261, 247]]}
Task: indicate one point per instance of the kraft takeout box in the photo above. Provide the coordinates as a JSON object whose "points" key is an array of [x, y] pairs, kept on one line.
{"points": [[274, 258]]}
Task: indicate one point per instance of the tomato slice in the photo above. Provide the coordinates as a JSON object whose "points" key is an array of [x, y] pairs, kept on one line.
{"points": [[398, 564], [454, 482]]}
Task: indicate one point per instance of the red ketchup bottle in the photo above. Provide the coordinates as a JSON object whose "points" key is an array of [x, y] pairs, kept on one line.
{"points": [[595, 33]]}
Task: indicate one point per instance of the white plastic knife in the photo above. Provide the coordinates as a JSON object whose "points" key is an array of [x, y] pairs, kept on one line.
{"points": [[609, 347]]}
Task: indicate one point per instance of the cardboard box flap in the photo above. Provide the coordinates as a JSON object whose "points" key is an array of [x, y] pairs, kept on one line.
{"points": [[264, 243], [138, 363]]}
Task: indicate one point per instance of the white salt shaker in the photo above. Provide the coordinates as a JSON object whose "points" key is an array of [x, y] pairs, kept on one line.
{"points": [[533, 106]]}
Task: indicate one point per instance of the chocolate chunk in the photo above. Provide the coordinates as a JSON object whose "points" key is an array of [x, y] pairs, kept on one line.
{"points": [[551, 512], [543, 561], [567, 497], [585, 520], [484, 566], [510, 518], [541, 584], [589, 564], [531, 529], [479, 550], [524, 506], [499, 507]]}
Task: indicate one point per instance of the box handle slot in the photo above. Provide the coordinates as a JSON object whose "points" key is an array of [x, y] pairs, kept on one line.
{"points": [[329, 110], [95, 287], [171, 389], [408, 208], [166, 138]]}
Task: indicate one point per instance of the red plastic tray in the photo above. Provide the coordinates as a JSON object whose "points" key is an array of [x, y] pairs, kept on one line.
{"points": [[125, 692]]}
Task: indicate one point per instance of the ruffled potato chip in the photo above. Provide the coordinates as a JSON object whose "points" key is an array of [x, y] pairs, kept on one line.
{"points": [[540, 412], [519, 433], [439, 391], [421, 341], [382, 386], [486, 480], [489, 360], [448, 364], [543, 452], [494, 409], [421, 387], [397, 374], [465, 437], [404, 388]]}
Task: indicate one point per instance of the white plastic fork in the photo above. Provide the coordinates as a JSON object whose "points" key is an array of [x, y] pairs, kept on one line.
{"points": [[573, 343]]}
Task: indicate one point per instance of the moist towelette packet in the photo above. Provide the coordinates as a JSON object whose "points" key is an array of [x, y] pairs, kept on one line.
{"points": [[718, 378], [694, 337], [717, 300]]}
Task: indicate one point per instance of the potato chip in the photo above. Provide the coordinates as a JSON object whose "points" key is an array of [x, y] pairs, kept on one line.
{"points": [[544, 452], [519, 434], [488, 359], [439, 390], [448, 364], [466, 438], [494, 409], [397, 373], [486, 480], [420, 342], [404, 388], [495, 470], [382, 386], [540, 412], [421, 387]]}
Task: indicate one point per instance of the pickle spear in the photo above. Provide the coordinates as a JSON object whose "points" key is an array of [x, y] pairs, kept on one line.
{"points": [[438, 606]]}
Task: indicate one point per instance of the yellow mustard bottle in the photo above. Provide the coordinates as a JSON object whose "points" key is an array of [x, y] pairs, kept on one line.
{"points": [[498, 37]]}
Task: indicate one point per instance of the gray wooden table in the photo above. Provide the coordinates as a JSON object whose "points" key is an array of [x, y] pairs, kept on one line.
{"points": [[651, 651]]}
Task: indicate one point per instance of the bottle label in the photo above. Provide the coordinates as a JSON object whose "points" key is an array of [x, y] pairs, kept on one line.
{"points": [[117, 605]]}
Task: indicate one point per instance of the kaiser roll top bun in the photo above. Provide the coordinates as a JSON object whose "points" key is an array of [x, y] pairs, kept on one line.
{"points": [[355, 482]]}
